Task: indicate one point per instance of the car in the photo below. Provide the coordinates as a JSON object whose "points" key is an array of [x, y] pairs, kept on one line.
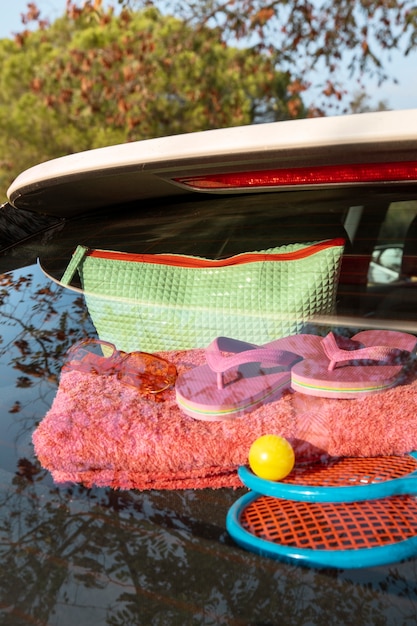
{"points": [[84, 543], [385, 265]]}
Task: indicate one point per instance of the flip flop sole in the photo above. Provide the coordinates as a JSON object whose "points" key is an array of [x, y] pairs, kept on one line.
{"points": [[352, 381], [198, 396], [393, 338], [246, 388], [313, 377]]}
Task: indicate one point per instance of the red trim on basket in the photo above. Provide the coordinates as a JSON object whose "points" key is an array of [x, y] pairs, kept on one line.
{"points": [[177, 260]]}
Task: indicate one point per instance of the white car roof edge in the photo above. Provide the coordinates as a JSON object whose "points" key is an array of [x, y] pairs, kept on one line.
{"points": [[343, 130]]}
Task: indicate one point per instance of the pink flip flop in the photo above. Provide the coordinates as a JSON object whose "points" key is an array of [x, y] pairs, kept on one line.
{"points": [[369, 363], [247, 376]]}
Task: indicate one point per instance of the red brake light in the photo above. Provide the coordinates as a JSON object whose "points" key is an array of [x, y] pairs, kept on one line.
{"points": [[314, 175]]}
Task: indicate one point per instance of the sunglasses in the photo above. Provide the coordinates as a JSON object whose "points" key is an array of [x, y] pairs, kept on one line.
{"points": [[148, 373]]}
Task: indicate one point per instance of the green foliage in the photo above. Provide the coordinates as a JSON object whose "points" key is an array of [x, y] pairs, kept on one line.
{"points": [[318, 41], [97, 77]]}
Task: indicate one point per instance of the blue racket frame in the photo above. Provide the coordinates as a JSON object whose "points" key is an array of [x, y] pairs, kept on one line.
{"points": [[406, 485], [340, 559]]}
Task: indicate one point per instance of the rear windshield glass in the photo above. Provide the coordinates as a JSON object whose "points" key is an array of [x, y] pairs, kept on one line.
{"points": [[375, 276]]}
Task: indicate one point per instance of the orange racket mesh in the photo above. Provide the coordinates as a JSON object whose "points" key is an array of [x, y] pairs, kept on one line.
{"points": [[340, 472], [332, 526]]}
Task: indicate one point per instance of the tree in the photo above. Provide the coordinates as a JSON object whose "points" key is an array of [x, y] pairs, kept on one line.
{"points": [[361, 103], [315, 40], [97, 77]]}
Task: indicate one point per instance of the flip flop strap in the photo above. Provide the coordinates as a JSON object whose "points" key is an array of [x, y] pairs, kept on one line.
{"points": [[244, 353], [337, 355]]}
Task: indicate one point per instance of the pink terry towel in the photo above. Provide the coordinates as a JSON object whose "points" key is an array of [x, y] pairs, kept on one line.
{"points": [[101, 432]]}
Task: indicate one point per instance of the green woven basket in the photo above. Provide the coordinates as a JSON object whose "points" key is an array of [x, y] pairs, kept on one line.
{"points": [[175, 302]]}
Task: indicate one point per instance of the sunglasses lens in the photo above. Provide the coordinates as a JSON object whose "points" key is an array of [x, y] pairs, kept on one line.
{"points": [[90, 356], [150, 374]]}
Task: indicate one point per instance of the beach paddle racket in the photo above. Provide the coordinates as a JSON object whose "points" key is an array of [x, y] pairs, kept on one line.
{"points": [[313, 530], [341, 479]]}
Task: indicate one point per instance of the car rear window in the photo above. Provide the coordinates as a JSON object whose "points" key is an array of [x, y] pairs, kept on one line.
{"points": [[376, 278]]}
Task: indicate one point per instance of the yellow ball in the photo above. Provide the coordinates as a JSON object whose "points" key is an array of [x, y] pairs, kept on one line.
{"points": [[271, 457]]}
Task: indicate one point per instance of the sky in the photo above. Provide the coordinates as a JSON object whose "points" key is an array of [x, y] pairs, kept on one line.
{"points": [[397, 96]]}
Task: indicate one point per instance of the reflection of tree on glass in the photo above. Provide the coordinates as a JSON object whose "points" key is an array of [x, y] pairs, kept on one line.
{"points": [[38, 327], [161, 558], [39, 321]]}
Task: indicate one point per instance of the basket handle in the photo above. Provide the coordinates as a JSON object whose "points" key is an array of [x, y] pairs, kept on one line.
{"points": [[78, 256]]}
